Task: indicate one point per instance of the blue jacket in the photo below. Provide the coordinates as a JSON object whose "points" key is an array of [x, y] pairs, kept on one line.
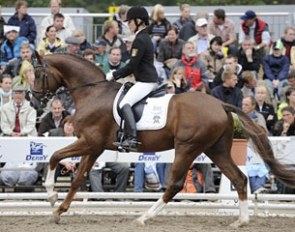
{"points": [[276, 68], [27, 27], [228, 95], [6, 53]]}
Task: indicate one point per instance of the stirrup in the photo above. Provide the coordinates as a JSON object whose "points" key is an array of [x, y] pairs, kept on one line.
{"points": [[130, 144], [120, 147]]}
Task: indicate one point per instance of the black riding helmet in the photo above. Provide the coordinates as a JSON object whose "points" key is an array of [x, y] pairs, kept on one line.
{"points": [[138, 12]]}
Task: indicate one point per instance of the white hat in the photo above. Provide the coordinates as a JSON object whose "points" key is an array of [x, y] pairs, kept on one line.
{"points": [[201, 22], [8, 28]]}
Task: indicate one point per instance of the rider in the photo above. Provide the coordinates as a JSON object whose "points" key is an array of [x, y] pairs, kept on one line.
{"points": [[141, 65]]}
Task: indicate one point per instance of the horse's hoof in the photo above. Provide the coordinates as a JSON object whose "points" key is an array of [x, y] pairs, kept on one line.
{"points": [[52, 198], [239, 223], [139, 222], [55, 217]]}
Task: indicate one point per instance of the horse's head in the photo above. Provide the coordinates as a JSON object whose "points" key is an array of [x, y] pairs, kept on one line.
{"points": [[46, 81]]}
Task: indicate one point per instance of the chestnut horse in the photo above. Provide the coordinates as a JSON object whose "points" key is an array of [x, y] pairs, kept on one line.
{"points": [[196, 123]]}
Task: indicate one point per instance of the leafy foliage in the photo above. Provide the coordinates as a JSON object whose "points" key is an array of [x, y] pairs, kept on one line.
{"points": [[238, 130]]}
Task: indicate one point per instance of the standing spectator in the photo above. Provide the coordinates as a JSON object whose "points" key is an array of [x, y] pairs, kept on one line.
{"points": [[26, 54], [121, 17], [170, 49], [249, 57], [178, 80], [257, 29], [5, 89], [264, 108], [73, 46], [50, 43], [61, 32], [54, 118], [288, 41], [2, 23], [114, 62], [250, 83], [24, 21], [194, 69], [202, 39], [55, 8], [213, 58], [231, 62], [159, 25], [18, 118], [185, 10], [84, 44], [276, 68], [110, 36], [101, 56], [228, 92], [225, 28], [10, 48]]}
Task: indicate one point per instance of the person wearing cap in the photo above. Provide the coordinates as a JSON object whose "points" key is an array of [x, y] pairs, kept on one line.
{"points": [[73, 46], [55, 8], [101, 56], [10, 49], [202, 39], [257, 29], [276, 68], [141, 65]]}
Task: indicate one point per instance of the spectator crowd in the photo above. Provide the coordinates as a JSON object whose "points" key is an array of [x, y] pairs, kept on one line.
{"points": [[242, 66]]}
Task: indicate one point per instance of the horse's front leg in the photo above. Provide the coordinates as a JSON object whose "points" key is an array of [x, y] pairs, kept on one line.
{"points": [[85, 165]]}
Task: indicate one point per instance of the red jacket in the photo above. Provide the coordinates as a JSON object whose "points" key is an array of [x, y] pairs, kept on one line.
{"points": [[261, 26]]}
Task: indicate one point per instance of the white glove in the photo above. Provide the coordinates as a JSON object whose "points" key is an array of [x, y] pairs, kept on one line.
{"points": [[109, 75]]}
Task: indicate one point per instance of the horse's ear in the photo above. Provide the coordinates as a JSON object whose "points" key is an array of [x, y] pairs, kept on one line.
{"points": [[39, 57]]}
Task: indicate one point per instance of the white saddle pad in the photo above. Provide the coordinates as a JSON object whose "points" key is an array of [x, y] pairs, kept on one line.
{"points": [[154, 114]]}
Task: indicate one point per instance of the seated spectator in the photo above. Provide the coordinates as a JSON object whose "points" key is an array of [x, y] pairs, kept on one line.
{"points": [[10, 48], [24, 21], [159, 25], [185, 10], [2, 23], [213, 58], [84, 44], [257, 29], [264, 108], [50, 43], [286, 125], [26, 76], [61, 32], [121, 171], [225, 28], [231, 62], [73, 46], [178, 80], [288, 42], [288, 101], [170, 49], [250, 82], [54, 118], [26, 54], [194, 69], [202, 39], [114, 62], [276, 69], [89, 55], [249, 57], [291, 82], [101, 56], [18, 118], [111, 36], [228, 92], [5, 89]]}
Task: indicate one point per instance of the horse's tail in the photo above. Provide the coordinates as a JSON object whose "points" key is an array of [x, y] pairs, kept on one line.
{"points": [[263, 146]]}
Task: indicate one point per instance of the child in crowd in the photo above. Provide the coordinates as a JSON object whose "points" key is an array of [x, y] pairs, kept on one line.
{"points": [[6, 89], [179, 81]]}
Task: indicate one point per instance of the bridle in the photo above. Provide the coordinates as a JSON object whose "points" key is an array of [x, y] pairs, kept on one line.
{"points": [[45, 91]]}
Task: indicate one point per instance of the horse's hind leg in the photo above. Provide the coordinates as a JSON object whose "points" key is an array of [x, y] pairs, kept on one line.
{"points": [[181, 164], [220, 155], [85, 165]]}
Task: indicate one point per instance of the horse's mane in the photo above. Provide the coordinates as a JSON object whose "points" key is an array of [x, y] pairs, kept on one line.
{"points": [[82, 59]]}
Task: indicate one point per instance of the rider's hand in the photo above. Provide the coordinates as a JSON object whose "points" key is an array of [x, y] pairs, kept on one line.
{"points": [[109, 75]]}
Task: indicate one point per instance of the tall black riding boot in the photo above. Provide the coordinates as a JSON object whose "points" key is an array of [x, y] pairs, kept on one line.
{"points": [[130, 141]]}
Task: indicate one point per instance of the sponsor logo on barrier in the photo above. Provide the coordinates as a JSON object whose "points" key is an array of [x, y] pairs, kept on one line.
{"points": [[201, 158], [36, 152], [149, 157]]}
